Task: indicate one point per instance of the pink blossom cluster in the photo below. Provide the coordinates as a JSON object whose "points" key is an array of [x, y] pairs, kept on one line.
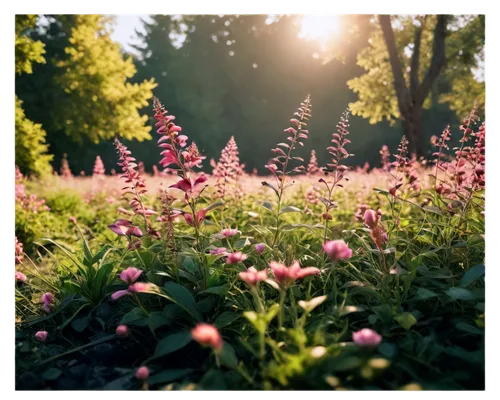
{"points": [[312, 166], [48, 300], [227, 171], [99, 169], [28, 202], [19, 252], [65, 170]]}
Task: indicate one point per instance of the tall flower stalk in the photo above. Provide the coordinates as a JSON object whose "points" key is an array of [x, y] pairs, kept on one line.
{"points": [[335, 169], [280, 165], [180, 158]]}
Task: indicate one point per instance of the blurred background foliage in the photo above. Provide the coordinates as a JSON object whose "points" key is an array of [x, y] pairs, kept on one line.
{"points": [[228, 75]]}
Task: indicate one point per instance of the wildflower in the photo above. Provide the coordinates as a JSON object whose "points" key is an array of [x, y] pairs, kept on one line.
{"points": [[371, 219], [98, 167], [72, 219], [65, 170], [260, 247], [19, 252], [142, 373], [120, 293], [252, 276], [200, 217], [130, 275], [20, 277], [122, 331], [122, 227], [207, 335], [219, 250], [235, 258], [227, 170], [337, 250], [227, 233], [140, 287], [41, 336], [312, 167], [286, 276], [366, 338]]}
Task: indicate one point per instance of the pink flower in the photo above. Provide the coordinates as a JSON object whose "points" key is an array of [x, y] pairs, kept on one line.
{"points": [[286, 276], [235, 258], [371, 219], [119, 293], [229, 232], [207, 335], [47, 307], [130, 275], [200, 216], [124, 211], [72, 219], [260, 247], [120, 227], [252, 276], [140, 287], [337, 250], [219, 250], [41, 336], [47, 298], [122, 331], [366, 338], [20, 277], [142, 373]]}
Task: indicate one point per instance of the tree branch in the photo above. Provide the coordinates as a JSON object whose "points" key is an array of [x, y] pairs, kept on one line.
{"points": [[415, 62], [438, 59], [397, 70]]}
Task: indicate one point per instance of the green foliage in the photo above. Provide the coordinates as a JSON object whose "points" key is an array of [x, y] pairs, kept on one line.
{"points": [[28, 51], [457, 87], [31, 148]]}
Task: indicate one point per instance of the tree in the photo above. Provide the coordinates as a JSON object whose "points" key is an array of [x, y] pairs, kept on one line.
{"points": [[406, 57], [84, 93], [30, 147]]}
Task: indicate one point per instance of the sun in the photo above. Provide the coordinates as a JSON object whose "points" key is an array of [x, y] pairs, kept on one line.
{"points": [[319, 27]]}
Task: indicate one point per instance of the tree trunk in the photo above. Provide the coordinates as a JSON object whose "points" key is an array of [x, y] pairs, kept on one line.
{"points": [[412, 129]]}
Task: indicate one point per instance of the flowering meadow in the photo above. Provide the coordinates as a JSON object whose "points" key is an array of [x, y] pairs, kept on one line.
{"points": [[314, 277]]}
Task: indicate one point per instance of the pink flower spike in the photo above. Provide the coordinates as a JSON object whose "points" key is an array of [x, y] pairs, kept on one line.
{"points": [[20, 277], [130, 275], [229, 232], [47, 298], [142, 373], [207, 335], [41, 336], [366, 338], [260, 247], [119, 293], [337, 250], [235, 258], [252, 276], [122, 331]]}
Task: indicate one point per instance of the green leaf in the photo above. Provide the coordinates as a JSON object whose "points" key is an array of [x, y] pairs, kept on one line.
{"points": [[219, 290], [228, 357], [469, 328], [218, 203], [472, 274], [457, 293], [270, 185], [181, 296], [406, 320], [135, 317], [387, 350], [80, 324], [172, 343], [52, 374], [289, 209], [423, 293], [157, 319], [169, 375], [226, 319]]}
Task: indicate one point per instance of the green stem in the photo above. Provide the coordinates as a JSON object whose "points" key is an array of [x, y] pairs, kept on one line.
{"points": [[281, 313]]}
